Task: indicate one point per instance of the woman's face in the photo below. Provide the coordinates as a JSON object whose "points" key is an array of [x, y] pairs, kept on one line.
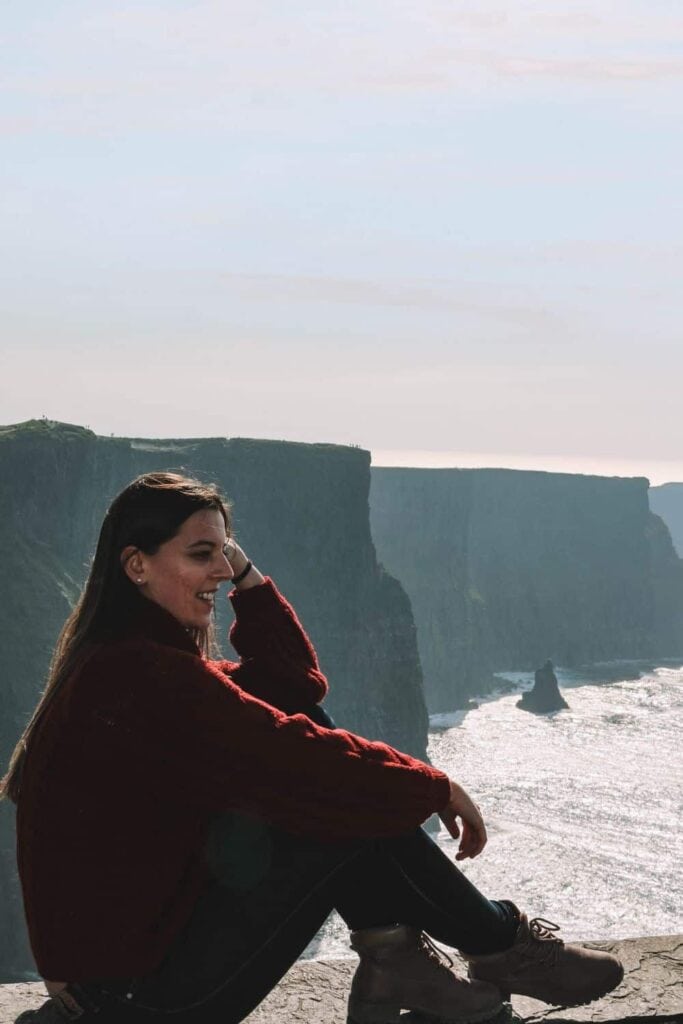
{"points": [[184, 574]]}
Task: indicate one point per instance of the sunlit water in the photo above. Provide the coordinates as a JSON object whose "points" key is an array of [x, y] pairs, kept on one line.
{"points": [[583, 806]]}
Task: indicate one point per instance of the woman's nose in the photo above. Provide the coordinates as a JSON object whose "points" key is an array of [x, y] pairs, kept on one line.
{"points": [[224, 571]]}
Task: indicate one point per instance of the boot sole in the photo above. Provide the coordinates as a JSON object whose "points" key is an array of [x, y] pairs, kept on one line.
{"points": [[499, 1016], [376, 1013], [373, 1013], [562, 1005]]}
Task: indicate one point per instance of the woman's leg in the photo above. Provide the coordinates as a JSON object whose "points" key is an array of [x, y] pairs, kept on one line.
{"points": [[246, 931], [410, 881], [248, 927], [271, 893]]}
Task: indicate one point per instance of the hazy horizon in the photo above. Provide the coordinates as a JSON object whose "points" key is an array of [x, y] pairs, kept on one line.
{"points": [[451, 228], [657, 473]]}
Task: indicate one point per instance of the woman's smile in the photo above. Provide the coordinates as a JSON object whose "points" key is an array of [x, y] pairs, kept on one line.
{"points": [[184, 574]]}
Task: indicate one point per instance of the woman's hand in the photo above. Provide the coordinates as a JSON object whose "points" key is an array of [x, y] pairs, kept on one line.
{"points": [[460, 805], [235, 556], [238, 560]]}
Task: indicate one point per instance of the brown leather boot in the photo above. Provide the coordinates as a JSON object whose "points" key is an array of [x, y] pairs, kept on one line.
{"points": [[539, 965], [400, 969]]}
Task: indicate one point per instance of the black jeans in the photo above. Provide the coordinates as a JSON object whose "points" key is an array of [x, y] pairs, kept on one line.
{"points": [[270, 893]]}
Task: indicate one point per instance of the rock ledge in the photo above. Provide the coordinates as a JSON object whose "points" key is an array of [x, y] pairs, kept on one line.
{"points": [[314, 991]]}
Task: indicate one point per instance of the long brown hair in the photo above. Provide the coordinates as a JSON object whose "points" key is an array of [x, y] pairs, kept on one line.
{"points": [[145, 514]]}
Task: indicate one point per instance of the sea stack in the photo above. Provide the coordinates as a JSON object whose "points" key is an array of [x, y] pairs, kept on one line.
{"points": [[545, 695]]}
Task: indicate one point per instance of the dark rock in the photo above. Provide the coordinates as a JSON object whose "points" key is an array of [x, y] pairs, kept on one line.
{"points": [[667, 570], [545, 694], [667, 501]]}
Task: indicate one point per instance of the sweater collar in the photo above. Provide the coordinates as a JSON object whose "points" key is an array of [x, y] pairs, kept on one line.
{"points": [[155, 623]]}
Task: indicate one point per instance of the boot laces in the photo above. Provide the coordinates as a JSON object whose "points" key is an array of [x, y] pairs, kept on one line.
{"points": [[542, 931], [434, 952]]}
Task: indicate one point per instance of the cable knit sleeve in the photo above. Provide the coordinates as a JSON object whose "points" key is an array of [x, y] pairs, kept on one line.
{"points": [[176, 724], [278, 663]]}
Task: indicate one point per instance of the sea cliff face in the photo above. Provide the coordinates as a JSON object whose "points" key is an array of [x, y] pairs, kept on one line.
{"points": [[667, 501], [301, 511], [506, 568]]}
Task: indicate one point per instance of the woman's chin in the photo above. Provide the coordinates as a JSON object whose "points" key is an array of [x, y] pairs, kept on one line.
{"points": [[200, 621], [202, 617]]}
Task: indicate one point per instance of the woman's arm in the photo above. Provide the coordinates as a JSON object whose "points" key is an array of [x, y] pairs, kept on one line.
{"points": [[191, 734], [278, 662]]}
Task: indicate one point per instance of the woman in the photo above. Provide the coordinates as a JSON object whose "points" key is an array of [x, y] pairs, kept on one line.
{"points": [[185, 825]]}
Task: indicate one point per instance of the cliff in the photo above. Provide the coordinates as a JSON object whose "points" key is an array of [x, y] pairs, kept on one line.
{"points": [[505, 569], [300, 510], [667, 502]]}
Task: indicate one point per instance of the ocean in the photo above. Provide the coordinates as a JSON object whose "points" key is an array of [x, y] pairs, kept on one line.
{"points": [[584, 807]]}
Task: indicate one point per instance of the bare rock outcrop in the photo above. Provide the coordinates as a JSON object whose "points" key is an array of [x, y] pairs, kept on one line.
{"points": [[545, 694], [315, 992]]}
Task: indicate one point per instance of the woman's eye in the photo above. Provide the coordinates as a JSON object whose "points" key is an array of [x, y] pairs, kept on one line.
{"points": [[201, 556]]}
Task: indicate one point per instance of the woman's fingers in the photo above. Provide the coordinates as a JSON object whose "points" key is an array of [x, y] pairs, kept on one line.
{"points": [[472, 843], [473, 838], [235, 555], [467, 843], [469, 846], [448, 818]]}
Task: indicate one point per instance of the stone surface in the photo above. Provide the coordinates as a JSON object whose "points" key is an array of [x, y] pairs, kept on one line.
{"points": [[314, 992], [652, 987]]}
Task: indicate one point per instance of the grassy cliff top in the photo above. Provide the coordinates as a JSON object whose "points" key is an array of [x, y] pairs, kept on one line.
{"points": [[55, 429], [43, 427]]}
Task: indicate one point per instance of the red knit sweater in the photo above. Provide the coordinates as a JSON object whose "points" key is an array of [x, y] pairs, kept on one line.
{"points": [[146, 743]]}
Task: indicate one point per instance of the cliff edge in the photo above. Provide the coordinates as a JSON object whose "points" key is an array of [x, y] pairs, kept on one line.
{"points": [[315, 992]]}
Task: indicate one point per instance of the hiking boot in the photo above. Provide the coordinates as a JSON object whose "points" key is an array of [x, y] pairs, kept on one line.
{"points": [[51, 1012], [62, 1007], [401, 969], [539, 965]]}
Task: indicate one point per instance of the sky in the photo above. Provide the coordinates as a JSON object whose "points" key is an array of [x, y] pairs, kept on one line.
{"points": [[449, 232]]}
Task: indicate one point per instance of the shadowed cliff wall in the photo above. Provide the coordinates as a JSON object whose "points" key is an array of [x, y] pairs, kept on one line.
{"points": [[667, 502], [506, 568], [300, 510]]}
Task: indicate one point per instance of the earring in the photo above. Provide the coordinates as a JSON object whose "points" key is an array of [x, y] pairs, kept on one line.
{"points": [[139, 579]]}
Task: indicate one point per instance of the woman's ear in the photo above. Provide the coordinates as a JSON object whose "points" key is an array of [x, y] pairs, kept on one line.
{"points": [[132, 564]]}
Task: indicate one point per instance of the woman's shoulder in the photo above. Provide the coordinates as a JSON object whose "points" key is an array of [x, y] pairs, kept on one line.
{"points": [[138, 663], [138, 683], [124, 661]]}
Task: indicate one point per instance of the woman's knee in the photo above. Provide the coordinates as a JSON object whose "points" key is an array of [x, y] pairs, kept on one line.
{"points": [[318, 714]]}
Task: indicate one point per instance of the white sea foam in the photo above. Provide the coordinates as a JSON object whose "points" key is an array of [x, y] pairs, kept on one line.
{"points": [[583, 807]]}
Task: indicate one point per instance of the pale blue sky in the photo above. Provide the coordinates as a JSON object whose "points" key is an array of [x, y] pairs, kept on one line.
{"points": [[430, 228]]}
